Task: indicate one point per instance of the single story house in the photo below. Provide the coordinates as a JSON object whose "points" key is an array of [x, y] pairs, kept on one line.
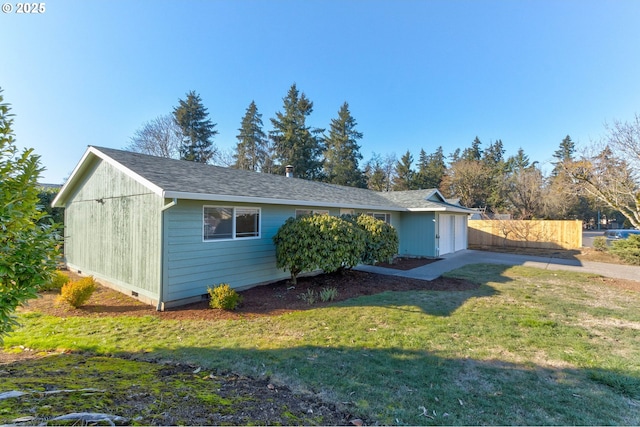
{"points": [[163, 230]]}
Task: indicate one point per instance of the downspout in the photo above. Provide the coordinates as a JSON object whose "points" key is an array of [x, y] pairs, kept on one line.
{"points": [[162, 261]]}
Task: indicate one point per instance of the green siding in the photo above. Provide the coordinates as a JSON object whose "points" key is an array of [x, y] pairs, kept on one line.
{"points": [[417, 234], [112, 230], [192, 265]]}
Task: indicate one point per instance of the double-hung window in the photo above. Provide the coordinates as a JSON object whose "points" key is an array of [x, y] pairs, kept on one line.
{"points": [[229, 223], [386, 217]]}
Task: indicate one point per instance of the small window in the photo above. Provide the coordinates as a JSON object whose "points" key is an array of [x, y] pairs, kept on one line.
{"points": [[225, 223], [386, 217], [347, 211], [303, 212], [247, 222]]}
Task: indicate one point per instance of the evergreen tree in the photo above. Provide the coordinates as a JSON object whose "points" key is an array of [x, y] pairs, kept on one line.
{"points": [[375, 174], [404, 174], [493, 159], [197, 128], [566, 150], [28, 238], [295, 143], [474, 152], [431, 169], [494, 155], [252, 148], [342, 151], [519, 161]]}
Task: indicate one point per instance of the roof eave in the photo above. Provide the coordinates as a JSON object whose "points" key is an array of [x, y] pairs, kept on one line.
{"points": [[272, 201]]}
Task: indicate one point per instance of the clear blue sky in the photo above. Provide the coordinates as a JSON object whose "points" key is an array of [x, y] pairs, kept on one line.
{"points": [[416, 74]]}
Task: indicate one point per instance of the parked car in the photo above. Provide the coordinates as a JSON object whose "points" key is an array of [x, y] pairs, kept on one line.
{"points": [[613, 235]]}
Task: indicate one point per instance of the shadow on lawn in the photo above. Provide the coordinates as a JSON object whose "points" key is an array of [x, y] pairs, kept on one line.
{"points": [[454, 290], [391, 386]]}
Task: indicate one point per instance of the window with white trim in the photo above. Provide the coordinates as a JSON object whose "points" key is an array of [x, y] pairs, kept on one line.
{"points": [[229, 223], [303, 212], [386, 217]]}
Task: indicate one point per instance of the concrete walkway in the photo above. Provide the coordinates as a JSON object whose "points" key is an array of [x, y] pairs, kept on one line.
{"points": [[459, 259]]}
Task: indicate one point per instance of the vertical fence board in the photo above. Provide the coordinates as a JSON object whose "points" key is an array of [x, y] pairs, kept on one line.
{"points": [[526, 234]]}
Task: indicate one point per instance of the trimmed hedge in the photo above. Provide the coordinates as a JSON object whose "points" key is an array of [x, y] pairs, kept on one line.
{"points": [[318, 242], [382, 239], [328, 243]]}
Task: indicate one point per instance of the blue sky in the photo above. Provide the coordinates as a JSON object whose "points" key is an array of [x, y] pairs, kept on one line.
{"points": [[416, 74]]}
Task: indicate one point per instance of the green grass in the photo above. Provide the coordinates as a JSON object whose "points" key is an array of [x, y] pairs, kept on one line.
{"points": [[528, 346]]}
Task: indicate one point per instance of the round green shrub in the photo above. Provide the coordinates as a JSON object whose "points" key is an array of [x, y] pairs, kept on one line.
{"points": [[318, 242], [381, 238], [224, 297]]}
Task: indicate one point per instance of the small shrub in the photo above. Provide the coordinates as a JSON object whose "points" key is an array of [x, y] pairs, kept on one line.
{"points": [[78, 292], [57, 281], [627, 249], [310, 297], [328, 294], [600, 244], [224, 297]]}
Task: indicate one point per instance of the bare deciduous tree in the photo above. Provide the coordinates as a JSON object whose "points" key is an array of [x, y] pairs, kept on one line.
{"points": [[612, 174], [159, 137]]}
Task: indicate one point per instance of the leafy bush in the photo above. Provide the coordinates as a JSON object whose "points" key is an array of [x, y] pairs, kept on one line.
{"points": [[78, 292], [57, 281], [310, 296], [224, 297], [319, 242], [328, 294], [627, 249], [382, 239], [28, 239], [600, 243]]}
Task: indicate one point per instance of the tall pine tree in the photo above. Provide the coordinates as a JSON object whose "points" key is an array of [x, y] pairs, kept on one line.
{"points": [[295, 143], [342, 152], [197, 128], [404, 174], [252, 149], [431, 169]]}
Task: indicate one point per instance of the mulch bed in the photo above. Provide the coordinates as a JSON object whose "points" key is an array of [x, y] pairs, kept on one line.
{"points": [[268, 300]]}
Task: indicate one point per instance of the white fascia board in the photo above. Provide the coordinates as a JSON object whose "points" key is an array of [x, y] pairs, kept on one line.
{"points": [[99, 154], [128, 172], [443, 209], [70, 180], [270, 201]]}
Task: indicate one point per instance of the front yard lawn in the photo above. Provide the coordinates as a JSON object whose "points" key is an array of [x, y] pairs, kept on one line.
{"points": [[521, 346]]}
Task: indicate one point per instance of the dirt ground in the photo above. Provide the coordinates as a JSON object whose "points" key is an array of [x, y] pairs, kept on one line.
{"points": [[269, 300]]}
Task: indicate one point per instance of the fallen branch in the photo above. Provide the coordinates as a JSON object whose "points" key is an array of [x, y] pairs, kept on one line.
{"points": [[15, 393], [92, 417]]}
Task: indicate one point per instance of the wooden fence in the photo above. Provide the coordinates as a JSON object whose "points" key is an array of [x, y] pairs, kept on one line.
{"points": [[526, 234]]}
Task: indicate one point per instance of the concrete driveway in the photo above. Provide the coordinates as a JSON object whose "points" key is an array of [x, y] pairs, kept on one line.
{"points": [[459, 259]]}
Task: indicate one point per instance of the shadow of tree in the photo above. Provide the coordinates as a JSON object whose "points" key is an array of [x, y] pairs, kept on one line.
{"points": [[398, 386]]}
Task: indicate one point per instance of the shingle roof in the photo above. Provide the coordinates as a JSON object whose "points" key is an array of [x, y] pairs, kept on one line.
{"points": [[189, 180]]}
